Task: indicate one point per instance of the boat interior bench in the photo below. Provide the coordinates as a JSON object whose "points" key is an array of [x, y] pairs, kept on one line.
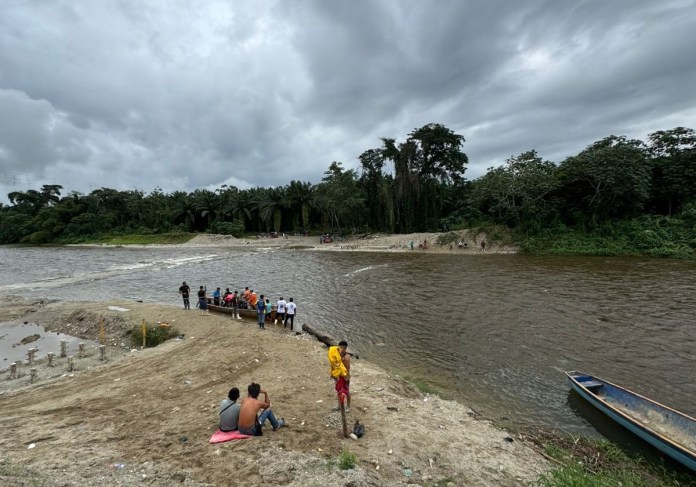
{"points": [[591, 384]]}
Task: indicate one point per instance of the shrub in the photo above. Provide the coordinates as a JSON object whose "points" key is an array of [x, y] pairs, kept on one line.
{"points": [[155, 335], [346, 460]]}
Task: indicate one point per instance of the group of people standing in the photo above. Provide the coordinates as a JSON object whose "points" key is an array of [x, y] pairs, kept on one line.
{"points": [[285, 310]]}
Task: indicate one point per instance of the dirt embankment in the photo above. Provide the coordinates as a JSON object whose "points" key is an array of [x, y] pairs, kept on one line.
{"points": [[146, 416]]}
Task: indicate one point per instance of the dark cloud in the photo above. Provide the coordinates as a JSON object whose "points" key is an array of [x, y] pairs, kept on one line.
{"points": [[179, 96]]}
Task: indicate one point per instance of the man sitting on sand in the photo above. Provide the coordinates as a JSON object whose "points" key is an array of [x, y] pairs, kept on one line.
{"points": [[229, 411], [249, 424]]}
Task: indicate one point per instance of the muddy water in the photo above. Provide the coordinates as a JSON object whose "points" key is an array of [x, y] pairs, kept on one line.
{"points": [[496, 331]]}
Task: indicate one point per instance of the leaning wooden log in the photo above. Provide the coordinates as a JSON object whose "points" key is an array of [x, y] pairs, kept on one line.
{"points": [[325, 339]]}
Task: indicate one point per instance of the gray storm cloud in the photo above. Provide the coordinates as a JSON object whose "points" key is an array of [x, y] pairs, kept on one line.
{"points": [[179, 96]]}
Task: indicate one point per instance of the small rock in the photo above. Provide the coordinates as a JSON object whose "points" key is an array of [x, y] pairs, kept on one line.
{"points": [[31, 445]]}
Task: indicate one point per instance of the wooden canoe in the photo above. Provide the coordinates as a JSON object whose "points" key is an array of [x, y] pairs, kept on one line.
{"points": [[244, 313], [668, 430]]}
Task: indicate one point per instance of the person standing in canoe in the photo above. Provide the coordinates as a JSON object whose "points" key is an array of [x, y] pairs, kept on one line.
{"points": [[216, 297]]}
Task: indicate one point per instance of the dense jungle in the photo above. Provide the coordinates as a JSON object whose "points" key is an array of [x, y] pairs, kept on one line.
{"points": [[618, 196]]}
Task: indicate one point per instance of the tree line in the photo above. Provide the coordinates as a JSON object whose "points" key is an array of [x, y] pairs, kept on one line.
{"points": [[400, 187]]}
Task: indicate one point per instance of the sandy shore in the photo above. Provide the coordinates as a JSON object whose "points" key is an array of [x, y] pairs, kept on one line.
{"points": [[146, 416], [364, 243]]}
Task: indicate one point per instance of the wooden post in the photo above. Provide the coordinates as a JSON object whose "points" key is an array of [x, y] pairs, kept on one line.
{"points": [[81, 351], [50, 358], [63, 348], [71, 364], [13, 370], [144, 332], [102, 352], [343, 420], [33, 375], [102, 332]]}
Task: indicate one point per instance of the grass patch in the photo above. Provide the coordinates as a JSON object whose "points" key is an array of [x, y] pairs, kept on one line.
{"points": [[154, 335], [590, 462], [423, 386], [135, 239], [346, 460]]}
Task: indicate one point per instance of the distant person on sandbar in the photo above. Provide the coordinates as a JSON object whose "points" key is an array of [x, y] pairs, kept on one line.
{"points": [[249, 423], [202, 302], [184, 290], [229, 411], [483, 245]]}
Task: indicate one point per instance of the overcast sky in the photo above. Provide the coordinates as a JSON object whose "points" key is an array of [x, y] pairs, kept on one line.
{"points": [[183, 95]]}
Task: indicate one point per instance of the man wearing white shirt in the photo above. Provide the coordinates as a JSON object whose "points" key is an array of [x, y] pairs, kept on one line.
{"points": [[290, 311], [280, 311]]}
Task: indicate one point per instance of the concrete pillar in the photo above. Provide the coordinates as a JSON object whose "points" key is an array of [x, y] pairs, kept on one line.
{"points": [[102, 352], [63, 348], [71, 364], [50, 358], [30, 355], [32, 379], [13, 370], [81, 352]]}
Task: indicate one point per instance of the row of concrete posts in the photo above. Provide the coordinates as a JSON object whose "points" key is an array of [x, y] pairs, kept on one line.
{"points": [[31, 357]]}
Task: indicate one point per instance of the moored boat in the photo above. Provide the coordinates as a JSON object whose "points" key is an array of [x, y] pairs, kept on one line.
{"points": [[243, 312], [668, 430]]}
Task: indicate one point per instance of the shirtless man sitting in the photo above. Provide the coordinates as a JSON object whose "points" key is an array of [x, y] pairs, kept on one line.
{"points": [[249, 423]]}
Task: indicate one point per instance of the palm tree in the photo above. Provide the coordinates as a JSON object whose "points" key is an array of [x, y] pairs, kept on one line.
{"points": [[300, 196]]}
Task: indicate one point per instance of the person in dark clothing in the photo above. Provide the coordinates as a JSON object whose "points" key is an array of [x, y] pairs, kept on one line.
{"points": [[184, 290]]}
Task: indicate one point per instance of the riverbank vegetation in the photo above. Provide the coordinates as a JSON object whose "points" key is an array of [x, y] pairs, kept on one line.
{"points": [[618, 196], [594, 462]]}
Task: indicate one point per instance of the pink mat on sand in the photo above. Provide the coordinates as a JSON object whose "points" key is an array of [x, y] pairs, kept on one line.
{"points": [[222, 436]]}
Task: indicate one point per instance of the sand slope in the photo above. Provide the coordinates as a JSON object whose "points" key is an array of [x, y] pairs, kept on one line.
{"points": [[154, 411]]}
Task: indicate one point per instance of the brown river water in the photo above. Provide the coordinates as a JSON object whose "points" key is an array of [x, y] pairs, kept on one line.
{"points": [[494, 331]]}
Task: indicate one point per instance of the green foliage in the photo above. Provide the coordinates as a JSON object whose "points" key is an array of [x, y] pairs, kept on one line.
{"points": [[590, 462], [154, 335], [655, 236], [423, 386], [346, 459], [235, 229], [616, 197]]}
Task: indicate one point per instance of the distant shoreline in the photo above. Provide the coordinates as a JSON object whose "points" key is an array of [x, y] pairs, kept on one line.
{"points": [[471, 244]]}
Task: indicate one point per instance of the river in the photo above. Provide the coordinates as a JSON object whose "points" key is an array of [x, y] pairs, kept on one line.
{"points": [[495, 331]]}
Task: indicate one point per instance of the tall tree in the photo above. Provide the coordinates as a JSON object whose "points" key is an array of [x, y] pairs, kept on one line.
{"points": [[611, 178], [674, 158]]}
